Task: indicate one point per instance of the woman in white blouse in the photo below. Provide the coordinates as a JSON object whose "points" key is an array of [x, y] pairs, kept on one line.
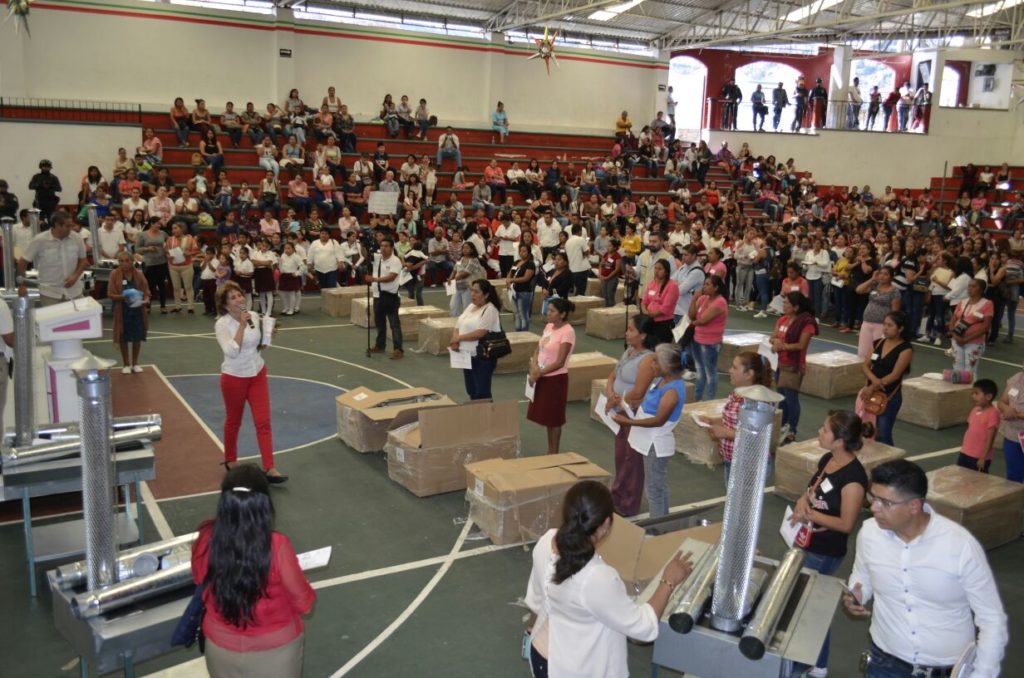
{"points": [[243, 377], [479, 318], [582, 614]]}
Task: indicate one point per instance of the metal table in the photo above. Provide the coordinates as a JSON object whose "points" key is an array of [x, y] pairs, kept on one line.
{"points": [[135, 462]]}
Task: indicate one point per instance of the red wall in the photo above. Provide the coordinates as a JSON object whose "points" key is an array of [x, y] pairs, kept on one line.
{"points": [[900, 63]]}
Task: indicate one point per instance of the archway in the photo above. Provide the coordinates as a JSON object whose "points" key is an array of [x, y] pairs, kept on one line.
{"points": [[688, 77], [871, 74], [768, 74]]}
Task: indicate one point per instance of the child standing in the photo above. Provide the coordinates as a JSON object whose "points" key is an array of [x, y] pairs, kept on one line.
{"points": [[982, 426]]}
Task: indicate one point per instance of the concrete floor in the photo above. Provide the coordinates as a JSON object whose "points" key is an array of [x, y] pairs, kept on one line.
{"points": [[390, 545]]}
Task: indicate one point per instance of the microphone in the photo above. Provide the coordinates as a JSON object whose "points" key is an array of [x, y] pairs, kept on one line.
{"points": [[248, 319]]}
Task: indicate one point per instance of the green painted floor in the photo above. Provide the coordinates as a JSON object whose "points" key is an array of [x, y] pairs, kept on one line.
{"points": [[470, 624]]}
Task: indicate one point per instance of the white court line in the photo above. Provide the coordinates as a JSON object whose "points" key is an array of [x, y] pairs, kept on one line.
{"points": [[343, 362], [412, 607], [163, 528], [199, 420]]}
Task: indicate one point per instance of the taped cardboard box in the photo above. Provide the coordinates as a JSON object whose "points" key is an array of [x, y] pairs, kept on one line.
{"points": [[594, 290], [796, 463], [337, 301], [695, 443], [428, 450], [597, 387], [361, 318], [514, 500], [583, 305], [608, 322], [435, 335], [639, 557], [934, 403], [733, 344], [583, 369], [833, 374], [523, 346], [364, 415], [990, 507]]}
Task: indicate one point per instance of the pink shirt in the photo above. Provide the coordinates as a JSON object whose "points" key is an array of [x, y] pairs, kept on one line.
{"points": [[972, 314], [979, 424], [550, 344], [799, 285], [714, 331], [661, 302], [717, 268]]}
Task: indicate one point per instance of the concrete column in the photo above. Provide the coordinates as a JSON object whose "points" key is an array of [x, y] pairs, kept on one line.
{"points": [[840, 78]]}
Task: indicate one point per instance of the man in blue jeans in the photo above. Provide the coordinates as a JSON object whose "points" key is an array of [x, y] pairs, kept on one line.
{"points": [[448, 147]]}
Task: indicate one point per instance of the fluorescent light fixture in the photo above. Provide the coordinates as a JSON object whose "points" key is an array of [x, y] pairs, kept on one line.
{"points": [[993, 8], [612, 11], [812, 8]]}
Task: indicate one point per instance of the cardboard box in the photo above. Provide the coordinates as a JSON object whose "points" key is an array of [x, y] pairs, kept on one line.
{"points": [[435, 334], [694, 441], [428, 449], [584, 368], [361, 318], [833, 374], [597, 387], [935, 403], [796, 463], [609, 322], [639, 557], [990, 507], [364, 415], [733, 344], [523, 346], [514, 500], [594, 290], [583, 305], [337, 301]]}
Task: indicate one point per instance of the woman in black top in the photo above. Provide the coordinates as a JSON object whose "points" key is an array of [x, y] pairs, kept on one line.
{"points": [[861, 270], [559, 282], [830, 507], [521, 279], [885, 368]]}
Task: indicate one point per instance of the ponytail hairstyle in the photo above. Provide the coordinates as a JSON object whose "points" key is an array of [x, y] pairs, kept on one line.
{"points": [[644, 324], [588, 504], [902, 321], [489, 291], [563, 306], [851, 429], [240, 544], [759, 365]]}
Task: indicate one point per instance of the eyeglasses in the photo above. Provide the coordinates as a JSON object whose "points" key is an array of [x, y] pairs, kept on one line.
{"points": [[886, 503]]}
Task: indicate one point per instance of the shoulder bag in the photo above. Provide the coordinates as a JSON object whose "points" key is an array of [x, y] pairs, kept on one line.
{"points": [[878, 401], [493, 345], [189, 630]]}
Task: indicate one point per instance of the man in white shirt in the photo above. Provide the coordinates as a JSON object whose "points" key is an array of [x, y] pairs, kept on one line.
{"points": [[547, 234], [927, 575], [363, 168], [437, 252], [853, 107], [324, 258], [655, 251], [508, 235], [111, 236], [576, 251], [383, 282], [136, 202], [448, 147], [58, 255]]}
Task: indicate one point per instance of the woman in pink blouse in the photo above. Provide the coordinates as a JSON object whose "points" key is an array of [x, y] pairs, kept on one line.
{"points": [[708, 314], [659, 301], [549, 371]]}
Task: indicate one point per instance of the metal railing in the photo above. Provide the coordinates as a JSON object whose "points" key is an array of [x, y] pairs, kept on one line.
{"points": [[70, 110], [815, 115]]}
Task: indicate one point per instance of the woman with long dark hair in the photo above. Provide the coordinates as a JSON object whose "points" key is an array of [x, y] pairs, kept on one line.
{"points": [[792, 337], [581, 612], [549, 371], [253, 588], [479, 318], [747, 369], [709, 312], [885, 368], [659, 300]]}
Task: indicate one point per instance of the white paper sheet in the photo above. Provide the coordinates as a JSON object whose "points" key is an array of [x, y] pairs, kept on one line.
{"points": [[449, 288], [677, 331], [531, 389], [699, 420], [787, 530], [776, 304], [315, 558], [404, 277], [460, 360], [765, 349], [268, 330], [176, 254], [599, 409]]}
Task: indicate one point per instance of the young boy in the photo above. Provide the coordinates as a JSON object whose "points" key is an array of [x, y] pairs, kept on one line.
{"points": [[982, 426]]}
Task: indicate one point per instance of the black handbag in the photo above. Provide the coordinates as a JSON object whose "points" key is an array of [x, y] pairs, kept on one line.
{"points": [[189, 630], [493, 345], [687, 338]]}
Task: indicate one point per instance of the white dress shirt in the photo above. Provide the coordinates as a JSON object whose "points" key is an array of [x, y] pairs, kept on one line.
{"points": [[547, 233], [55, 260], [322, 257], [239, 361], [589, 616], [815, 265], [925, 592], [382, 268], [576, 251], [508, 248]]}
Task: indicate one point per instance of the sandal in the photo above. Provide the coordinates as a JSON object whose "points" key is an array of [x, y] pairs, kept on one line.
{"points": [[226, 465]]}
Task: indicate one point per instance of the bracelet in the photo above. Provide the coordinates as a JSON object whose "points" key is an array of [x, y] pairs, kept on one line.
{"points": [[670, 585]]}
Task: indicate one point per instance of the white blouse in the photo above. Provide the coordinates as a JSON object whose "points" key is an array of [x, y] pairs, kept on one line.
{"points": [[477, 318], [239, 361]]}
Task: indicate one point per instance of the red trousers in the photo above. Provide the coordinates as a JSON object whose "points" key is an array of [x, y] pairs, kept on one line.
{"points": [[236, 392], [628, 488]]}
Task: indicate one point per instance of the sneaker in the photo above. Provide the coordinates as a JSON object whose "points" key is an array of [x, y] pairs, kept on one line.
{"points": [[760, 314], [817, 673], [689, 375], [126, 370], [937, 341], [949, 352], [783, 431], [137, 369]]}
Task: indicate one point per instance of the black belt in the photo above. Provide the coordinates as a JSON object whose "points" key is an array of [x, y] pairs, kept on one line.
{"points": [[915, 669]]}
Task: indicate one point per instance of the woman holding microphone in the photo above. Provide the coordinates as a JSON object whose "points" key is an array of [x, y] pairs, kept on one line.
{"points": [[243, 377]]}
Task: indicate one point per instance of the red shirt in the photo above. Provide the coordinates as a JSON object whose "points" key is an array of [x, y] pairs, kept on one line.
{"points": [[787, 357], [979, 424], [277, 617]]}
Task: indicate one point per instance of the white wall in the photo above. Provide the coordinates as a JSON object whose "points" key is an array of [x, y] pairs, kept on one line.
{"points": [[999, 97], [83, 50], [71, 149]]}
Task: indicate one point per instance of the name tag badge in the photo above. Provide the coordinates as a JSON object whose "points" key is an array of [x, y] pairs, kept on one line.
{"points": [[1014, 392], [977, 314], [794, 289], [826, 486], [874, 356], [874, 292]]}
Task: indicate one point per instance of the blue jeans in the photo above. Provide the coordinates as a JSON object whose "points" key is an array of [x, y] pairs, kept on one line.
{"points": [[764, 290], [826, 565], [790, 407], [887, 420], [705, 357], [1014, 460], [817, 290], [656, 481], [840, 302], [327, 280], [936, 317], [913, 304], [478, 379], [524, 306], [446, 153], [884, 666]]}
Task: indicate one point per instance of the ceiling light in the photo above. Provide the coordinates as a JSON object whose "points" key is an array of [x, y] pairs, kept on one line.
{"points": [[993, 8], [813, 8], [609, 13]]}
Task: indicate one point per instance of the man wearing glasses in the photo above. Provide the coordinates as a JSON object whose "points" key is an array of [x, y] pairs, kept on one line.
{"points": [[927, 576]]}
